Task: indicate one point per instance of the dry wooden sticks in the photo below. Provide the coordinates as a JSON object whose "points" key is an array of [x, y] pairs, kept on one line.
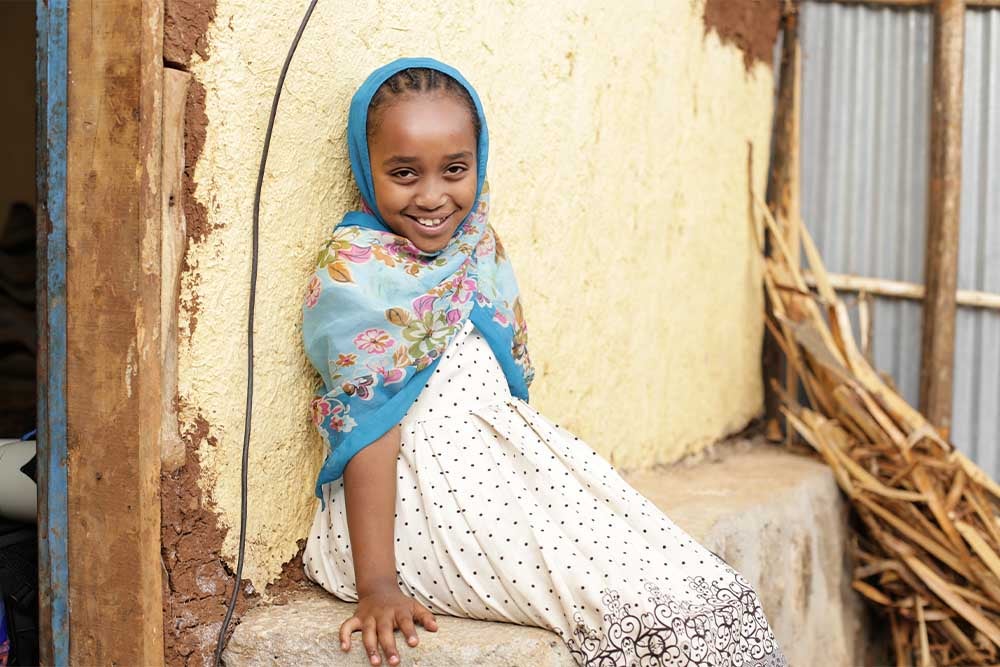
{"points": [[929, 531]]}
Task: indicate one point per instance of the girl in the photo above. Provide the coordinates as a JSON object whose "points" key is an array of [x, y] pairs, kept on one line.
{"points": [[444, 491]]}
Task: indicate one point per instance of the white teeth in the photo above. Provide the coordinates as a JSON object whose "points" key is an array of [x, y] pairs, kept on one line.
{"points": [[429, 222]]}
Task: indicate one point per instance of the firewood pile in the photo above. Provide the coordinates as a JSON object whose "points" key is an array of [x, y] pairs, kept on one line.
{"points": [[929, 534]]}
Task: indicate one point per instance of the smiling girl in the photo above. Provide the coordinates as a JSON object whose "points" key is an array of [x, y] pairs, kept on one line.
{"points": [[444, 492]]}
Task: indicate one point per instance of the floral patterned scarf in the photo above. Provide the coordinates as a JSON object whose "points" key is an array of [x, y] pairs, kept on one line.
{"points": [[379, 312]]}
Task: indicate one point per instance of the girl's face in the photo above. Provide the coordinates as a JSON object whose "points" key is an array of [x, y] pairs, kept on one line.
{"points": [[423, 161]]}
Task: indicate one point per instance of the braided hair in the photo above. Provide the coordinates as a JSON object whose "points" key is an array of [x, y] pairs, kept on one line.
{"points": [[419, 80]]}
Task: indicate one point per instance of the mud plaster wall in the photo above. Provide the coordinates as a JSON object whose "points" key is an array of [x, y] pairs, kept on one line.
{"points": [[196, 580], [619, 172]]}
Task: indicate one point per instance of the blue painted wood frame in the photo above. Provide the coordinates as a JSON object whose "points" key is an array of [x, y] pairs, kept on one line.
{"points": [[52, 21]]}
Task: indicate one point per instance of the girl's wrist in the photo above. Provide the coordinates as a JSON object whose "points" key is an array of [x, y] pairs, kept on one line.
{"points": [[378, 585]]}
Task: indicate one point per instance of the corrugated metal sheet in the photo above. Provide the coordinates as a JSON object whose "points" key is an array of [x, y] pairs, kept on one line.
{"points": [[865, 124], [977, 363]]}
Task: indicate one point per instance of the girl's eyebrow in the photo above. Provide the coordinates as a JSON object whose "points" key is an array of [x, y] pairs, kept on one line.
{"points": [[400, 159], [403, 159]]}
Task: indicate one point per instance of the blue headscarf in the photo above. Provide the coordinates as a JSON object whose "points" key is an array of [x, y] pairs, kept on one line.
{"points": [[357, 125], [379, 312]]}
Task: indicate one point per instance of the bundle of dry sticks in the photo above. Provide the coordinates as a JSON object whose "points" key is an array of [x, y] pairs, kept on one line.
{"points": [[929, 532]]}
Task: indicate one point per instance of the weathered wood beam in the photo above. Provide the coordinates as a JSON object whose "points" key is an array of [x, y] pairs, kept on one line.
{"points": [[944, 189], [173, 246], [53, 571], [114, 390], [898, 289], [783, 192]]}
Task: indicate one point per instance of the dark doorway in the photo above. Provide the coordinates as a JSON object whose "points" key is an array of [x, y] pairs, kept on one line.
{"points": [[18, 336], [18, 331]]}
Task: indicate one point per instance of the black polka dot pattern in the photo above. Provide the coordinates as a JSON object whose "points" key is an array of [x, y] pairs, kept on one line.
{"points": [[502, 515]]}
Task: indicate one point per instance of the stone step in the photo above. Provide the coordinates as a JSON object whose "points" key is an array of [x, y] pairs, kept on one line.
{"points": [[777, 517], [305, 631]]}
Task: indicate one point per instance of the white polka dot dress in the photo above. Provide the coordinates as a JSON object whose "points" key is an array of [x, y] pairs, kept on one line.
{"points": [[503, 516]]}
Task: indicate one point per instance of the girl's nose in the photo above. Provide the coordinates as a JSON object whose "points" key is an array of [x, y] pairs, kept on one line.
{"points": [[430, 195]]}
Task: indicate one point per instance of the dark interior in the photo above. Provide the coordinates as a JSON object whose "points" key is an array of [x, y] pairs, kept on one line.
{"points": [[18, 328]]}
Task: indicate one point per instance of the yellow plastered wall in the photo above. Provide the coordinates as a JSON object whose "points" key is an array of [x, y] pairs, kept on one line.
{"points": [[620, 138]]}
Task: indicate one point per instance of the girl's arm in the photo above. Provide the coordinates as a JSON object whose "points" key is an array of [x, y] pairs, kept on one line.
{"points": [[370, 488]]}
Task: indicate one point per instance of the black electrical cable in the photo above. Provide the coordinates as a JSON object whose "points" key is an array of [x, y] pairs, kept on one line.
{"points": [[253, 292]]}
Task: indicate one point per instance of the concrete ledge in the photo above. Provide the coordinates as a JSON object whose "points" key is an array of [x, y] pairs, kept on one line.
{"points": [[306, 632], [776, 517]]}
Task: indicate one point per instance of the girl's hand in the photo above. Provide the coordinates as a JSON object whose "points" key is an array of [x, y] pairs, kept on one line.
{"points": [[379, 613]]}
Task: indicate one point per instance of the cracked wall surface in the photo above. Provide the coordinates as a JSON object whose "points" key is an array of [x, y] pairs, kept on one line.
{"points": [[621, 137]]}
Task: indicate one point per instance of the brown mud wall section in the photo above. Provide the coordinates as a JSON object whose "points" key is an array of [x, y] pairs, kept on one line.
{"points": [[198, 581], [750, 25]]}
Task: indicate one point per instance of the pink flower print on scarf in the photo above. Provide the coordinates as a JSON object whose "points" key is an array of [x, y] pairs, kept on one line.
{"points": [[390, 375], [423, 304], [339, 421], [320, 409], [464, 290], [337, 412], [313, 291], [486, 245], [374, 341], [356, 254]]}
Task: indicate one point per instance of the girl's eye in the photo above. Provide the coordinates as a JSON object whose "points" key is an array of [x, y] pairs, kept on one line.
{"points": [[403, 174], [456, 169]]}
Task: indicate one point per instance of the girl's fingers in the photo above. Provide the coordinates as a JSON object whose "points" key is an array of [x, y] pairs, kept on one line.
{"points": [[404, 619], [370, 640], [346, 628], [387, 640], [424, 615]]}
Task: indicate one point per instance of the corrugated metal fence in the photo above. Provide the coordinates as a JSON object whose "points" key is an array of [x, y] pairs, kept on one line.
{"points": [[866, 81]]}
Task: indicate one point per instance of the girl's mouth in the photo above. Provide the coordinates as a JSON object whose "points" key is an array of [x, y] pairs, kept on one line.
{"points": [[431, 224]]}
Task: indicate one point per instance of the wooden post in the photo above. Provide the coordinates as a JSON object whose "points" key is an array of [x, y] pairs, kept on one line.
{"points": [[783, 193], [941, 261], [51, 76], [173, 245], [113, 390]]}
